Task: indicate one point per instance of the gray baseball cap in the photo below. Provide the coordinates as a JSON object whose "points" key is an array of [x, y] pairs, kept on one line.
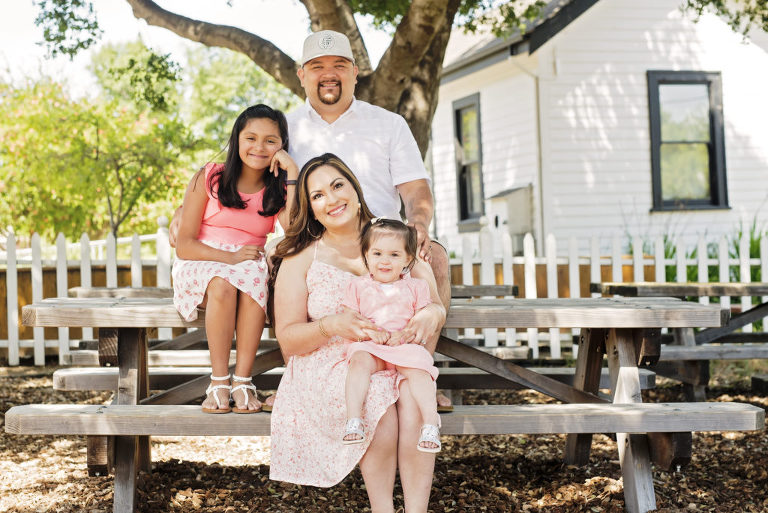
{"points": [[326, 42]]}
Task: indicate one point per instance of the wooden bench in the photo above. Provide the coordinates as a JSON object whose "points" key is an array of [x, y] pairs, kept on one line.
{"points": [[452, 378], [687, 359], [187, 420], [626, 330]]}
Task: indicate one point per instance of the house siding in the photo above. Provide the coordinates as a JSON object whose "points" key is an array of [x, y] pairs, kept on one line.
{"points": [[596, 168]]}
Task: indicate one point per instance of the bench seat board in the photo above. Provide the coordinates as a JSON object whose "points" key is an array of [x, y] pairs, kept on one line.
{"points": [[160, 378], [714, 352], [166, 420], [464, 313]]}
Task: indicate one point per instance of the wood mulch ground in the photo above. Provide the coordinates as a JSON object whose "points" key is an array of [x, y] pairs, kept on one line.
{"points": [[473, 473]]}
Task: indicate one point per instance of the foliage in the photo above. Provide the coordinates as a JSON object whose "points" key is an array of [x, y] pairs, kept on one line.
{"points": [[220, 84], [742, 16], [68, 26]]}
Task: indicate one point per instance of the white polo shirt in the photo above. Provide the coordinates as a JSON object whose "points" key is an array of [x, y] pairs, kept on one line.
{"points": [[376, 144]]}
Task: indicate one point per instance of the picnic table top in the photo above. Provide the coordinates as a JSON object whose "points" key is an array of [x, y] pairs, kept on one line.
{"points": [[663, 289], [464, 313]]}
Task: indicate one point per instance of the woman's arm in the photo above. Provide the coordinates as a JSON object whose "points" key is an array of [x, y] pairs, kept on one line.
{"points": [[187, 245], [428, 321], [295, 333]]}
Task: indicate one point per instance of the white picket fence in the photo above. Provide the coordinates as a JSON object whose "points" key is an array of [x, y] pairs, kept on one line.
{"points": [[574, 254]]}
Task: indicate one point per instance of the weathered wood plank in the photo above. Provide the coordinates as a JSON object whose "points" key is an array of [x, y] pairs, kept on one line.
{"points": [[714, 352], [91, 292], [588, 374], [516, 373], [465, 291], [694, 289], [452, 378], [480, 313], [189, 420]]}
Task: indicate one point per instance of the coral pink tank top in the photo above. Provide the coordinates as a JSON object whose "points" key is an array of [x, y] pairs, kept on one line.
{"points": [[234, 225]]}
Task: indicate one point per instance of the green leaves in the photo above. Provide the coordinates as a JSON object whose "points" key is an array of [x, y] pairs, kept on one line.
{"points": [[68, 26], [151, 78]]}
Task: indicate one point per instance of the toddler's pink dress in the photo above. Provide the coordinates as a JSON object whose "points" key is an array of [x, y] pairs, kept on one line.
{"points": [[310, 408], [228, 229], [391, 306]]}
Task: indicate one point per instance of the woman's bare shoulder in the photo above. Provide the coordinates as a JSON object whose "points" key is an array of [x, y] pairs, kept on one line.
{"points": [[300, 260]]}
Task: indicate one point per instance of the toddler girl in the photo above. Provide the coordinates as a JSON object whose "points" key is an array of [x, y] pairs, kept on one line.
{"points": [[228, 211], [389, 297]]}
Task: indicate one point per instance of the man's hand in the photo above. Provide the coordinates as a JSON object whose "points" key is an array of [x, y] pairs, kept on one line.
{"points": [[424, 243], [173, 228]]}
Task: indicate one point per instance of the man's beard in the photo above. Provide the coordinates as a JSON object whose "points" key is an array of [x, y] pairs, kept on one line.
{"points": [[327, 98]]}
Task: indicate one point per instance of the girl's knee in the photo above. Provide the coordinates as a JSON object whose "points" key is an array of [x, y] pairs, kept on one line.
{"points": [[361, 360], [220, 290]]}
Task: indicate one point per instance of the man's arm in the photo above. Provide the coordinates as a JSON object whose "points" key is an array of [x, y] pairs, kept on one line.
{"points": [[418, 202]]}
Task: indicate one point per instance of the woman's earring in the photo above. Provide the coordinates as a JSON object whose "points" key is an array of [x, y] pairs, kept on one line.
{"points": [[312, 234]]}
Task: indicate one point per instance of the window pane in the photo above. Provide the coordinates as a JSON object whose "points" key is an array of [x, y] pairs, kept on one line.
{"points": [[476, 189], [684, 172], [684, 112], [470, 140]]}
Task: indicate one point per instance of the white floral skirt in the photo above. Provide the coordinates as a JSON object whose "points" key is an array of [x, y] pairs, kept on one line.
{"points": [[191, 278]]}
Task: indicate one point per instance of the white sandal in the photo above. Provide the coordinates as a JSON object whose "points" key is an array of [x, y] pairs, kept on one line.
{"points": [[247, 384], [429, 433], [354, 426], [212, 389]]}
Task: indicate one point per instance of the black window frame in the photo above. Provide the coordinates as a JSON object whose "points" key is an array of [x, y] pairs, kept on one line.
{"points": [[717, 173], [470, 222]]}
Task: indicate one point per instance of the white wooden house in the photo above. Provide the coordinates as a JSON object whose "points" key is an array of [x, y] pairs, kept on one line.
{"points": [[607, 117]]}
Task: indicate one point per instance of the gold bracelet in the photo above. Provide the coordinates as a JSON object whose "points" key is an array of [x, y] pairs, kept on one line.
{"points": [[322, 330]]}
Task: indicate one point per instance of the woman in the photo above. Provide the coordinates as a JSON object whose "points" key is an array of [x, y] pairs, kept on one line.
{"points": [[313, 265]]}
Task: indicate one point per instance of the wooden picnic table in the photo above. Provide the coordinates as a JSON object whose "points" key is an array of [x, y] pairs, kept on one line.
{"points": [[625, 329], [690, 363]]}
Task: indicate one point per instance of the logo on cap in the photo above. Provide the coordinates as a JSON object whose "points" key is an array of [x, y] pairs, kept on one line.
{"points": [[326, 42]]}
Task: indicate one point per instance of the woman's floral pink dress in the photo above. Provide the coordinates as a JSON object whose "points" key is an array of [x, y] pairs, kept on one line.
{"points": [[309, 412]]}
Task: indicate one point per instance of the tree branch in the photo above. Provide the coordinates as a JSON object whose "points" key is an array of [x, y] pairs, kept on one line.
{"points": [[337, 15], [411, 41], [265, 54]]}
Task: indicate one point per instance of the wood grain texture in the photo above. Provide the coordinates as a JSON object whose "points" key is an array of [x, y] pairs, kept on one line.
{"points": [[714, 352], [453, 378], [91, 292], [173, 420], [693, 289], [465, 291], [479, 313]]}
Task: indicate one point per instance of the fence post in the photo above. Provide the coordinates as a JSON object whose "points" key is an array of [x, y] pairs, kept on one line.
{"points": [[507, 269], [12, 298], [724, 270], [574, 285], [660, 260], [745, 276], [551, 255], [467, 277], [681, 273], [488, 276], [616, 273], [529, 256], [85, 274], [136, 280], [595, 276], [36, 275], [703, 269], [163, 265], [764, 270], [638, 271], [61, 291], [111, 260]]}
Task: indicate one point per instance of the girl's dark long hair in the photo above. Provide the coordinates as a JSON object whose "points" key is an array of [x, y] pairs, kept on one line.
{"points": [[228, 176], [304, 228]]}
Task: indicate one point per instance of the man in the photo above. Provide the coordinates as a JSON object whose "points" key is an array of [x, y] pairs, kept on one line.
{"points": [[375, 143]]}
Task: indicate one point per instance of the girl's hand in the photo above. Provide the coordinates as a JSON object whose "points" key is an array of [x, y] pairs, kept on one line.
{"points": [[349, 324], [378, 336], [281, 159], [423, 325], [247, 252]]}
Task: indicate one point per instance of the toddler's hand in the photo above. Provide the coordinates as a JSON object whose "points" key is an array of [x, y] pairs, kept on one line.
{"points": [[378, 336]]}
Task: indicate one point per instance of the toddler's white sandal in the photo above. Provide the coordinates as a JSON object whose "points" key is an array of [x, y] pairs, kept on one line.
{"points": [[245, 385], [220, 408]]}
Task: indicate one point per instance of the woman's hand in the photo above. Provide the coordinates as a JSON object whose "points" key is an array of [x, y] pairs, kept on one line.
{"points": [[349, 324], [281, 159], [423, 325], [247, 252], [378, 336]]}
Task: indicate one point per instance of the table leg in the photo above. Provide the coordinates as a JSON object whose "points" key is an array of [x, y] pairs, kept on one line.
{"points": [[696, 391], [634, 455], [587, 378], [131, 452]]}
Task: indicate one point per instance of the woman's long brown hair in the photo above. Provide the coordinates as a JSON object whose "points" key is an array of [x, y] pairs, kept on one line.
{"points": [[304, 229]]}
